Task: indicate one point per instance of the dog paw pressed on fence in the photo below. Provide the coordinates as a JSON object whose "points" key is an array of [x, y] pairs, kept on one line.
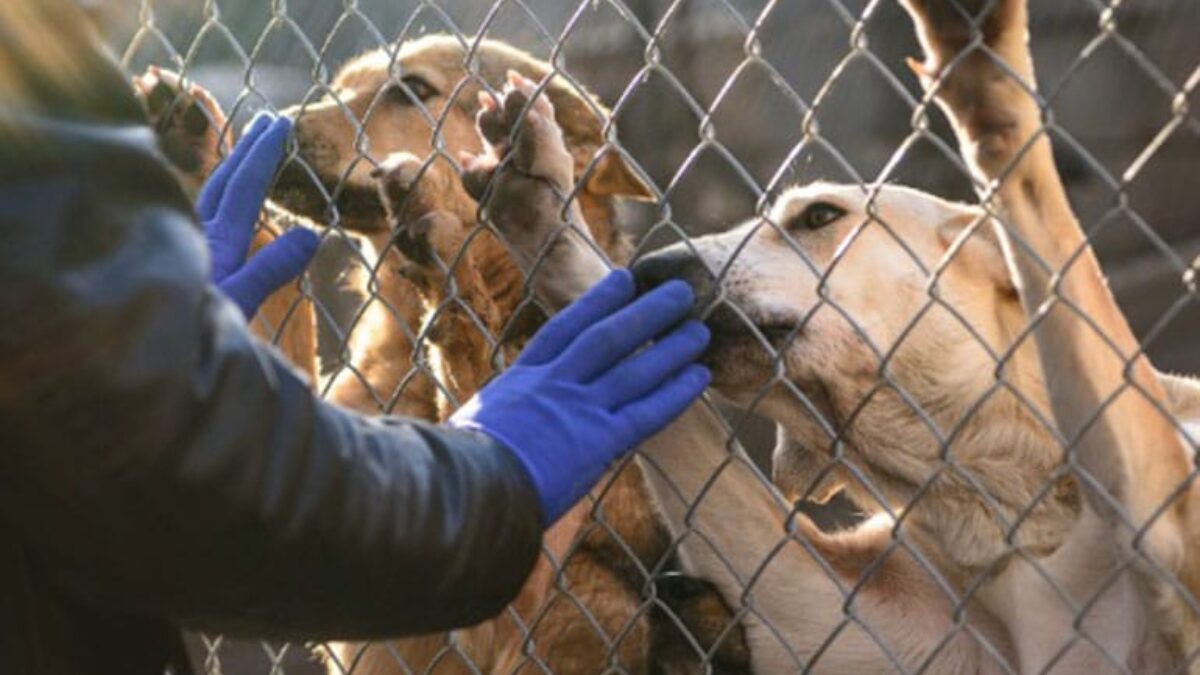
{"points": [[524, 174], [524, 180], [188, 122], [430, 235]]}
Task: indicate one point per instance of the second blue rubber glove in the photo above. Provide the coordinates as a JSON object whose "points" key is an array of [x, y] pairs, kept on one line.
{"points": [[229, 206], [584, 391]]}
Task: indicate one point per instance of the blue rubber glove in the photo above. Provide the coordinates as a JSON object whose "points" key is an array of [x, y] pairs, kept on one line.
{"points": [[229, 206], [584, 391]]}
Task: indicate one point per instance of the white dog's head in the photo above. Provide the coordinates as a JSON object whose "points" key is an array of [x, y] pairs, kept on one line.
{"points": [[871, 327]]}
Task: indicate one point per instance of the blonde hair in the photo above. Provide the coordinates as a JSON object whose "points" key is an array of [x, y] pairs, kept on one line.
{"points": [[52, 63]]}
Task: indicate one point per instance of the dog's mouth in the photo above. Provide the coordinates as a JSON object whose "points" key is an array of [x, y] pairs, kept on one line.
{"points": [[301, 191], [780, 333], [748, 326]]}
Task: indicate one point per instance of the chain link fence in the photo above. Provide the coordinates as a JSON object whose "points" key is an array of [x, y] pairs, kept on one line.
{"points": [[697, 115]]}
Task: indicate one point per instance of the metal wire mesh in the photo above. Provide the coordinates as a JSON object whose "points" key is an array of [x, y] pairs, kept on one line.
{"points": [[712, 108]]}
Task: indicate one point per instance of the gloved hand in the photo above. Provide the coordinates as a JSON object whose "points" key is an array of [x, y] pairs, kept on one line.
{"points": [[582, 394], [229, 206]]}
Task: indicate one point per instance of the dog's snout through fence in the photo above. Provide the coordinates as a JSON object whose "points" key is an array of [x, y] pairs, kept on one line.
{"points": [[935, 443]]}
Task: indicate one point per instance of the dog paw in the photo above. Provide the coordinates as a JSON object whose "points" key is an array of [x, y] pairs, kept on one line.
{"points": [[947, 27], [521, 136], [189, 124], [523, 179], [978, 66], [429, 237]]}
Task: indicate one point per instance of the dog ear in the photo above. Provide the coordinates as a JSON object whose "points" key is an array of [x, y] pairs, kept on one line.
{"points": [[982, 251], [613, 177], [583, 129]]}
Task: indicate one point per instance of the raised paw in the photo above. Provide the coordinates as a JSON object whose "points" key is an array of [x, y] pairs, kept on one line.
{"points": [[189, 124], [524, 136], [524, 177], [978, 67], [428, 235], [947, 27]]}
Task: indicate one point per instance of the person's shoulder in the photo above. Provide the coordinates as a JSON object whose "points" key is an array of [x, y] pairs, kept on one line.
{"points": [[34, 145]]}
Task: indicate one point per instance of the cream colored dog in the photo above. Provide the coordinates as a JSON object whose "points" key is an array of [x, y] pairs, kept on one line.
{"points": [[965, 372]]}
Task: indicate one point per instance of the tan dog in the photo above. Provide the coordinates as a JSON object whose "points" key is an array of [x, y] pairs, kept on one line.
{"points": [[422, 225], [380, 108], [886, 330], [191, 130]]}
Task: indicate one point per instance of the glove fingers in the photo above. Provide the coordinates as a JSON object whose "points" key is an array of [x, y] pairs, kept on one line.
{"points": [[651, 414], [645, 371], [609, 295], [210, 196], [619, 335], [276, 264], [247, 189]]}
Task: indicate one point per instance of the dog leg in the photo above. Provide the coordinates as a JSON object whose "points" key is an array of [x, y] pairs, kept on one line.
{"points": [[1107, 399], [436, 244], [1105, 395], [287, 317], [460, 313]]}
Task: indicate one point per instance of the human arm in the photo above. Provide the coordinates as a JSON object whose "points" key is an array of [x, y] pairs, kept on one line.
{"points": [[162, 460], [180, 467]]}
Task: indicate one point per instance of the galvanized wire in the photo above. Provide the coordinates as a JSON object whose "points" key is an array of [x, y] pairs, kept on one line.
{"points": [[247, 53]]}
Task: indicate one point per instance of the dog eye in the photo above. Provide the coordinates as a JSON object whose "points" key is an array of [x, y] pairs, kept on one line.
{"points": [[818, 215], [411, 89]]}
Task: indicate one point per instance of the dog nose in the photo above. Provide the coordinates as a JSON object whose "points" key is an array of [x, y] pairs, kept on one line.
{"points": [[675, 262]]}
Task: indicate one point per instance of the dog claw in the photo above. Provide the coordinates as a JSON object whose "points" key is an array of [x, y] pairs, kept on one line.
{"points": [[919, 69]]}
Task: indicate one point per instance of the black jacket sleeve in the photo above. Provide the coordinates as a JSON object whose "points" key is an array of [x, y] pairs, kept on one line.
{"points": [[156, 457]]}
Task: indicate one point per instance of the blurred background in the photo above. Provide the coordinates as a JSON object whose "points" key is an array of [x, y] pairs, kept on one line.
{"points": [[713, 99]]}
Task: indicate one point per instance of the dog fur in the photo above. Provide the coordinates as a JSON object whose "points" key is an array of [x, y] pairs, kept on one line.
{"points": [[1127, 421], [397, 107], [440, 279], [1011, 531], [191, 130]]}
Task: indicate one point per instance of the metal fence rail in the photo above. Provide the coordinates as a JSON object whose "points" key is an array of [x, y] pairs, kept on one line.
{"points": [[711, 109]]}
